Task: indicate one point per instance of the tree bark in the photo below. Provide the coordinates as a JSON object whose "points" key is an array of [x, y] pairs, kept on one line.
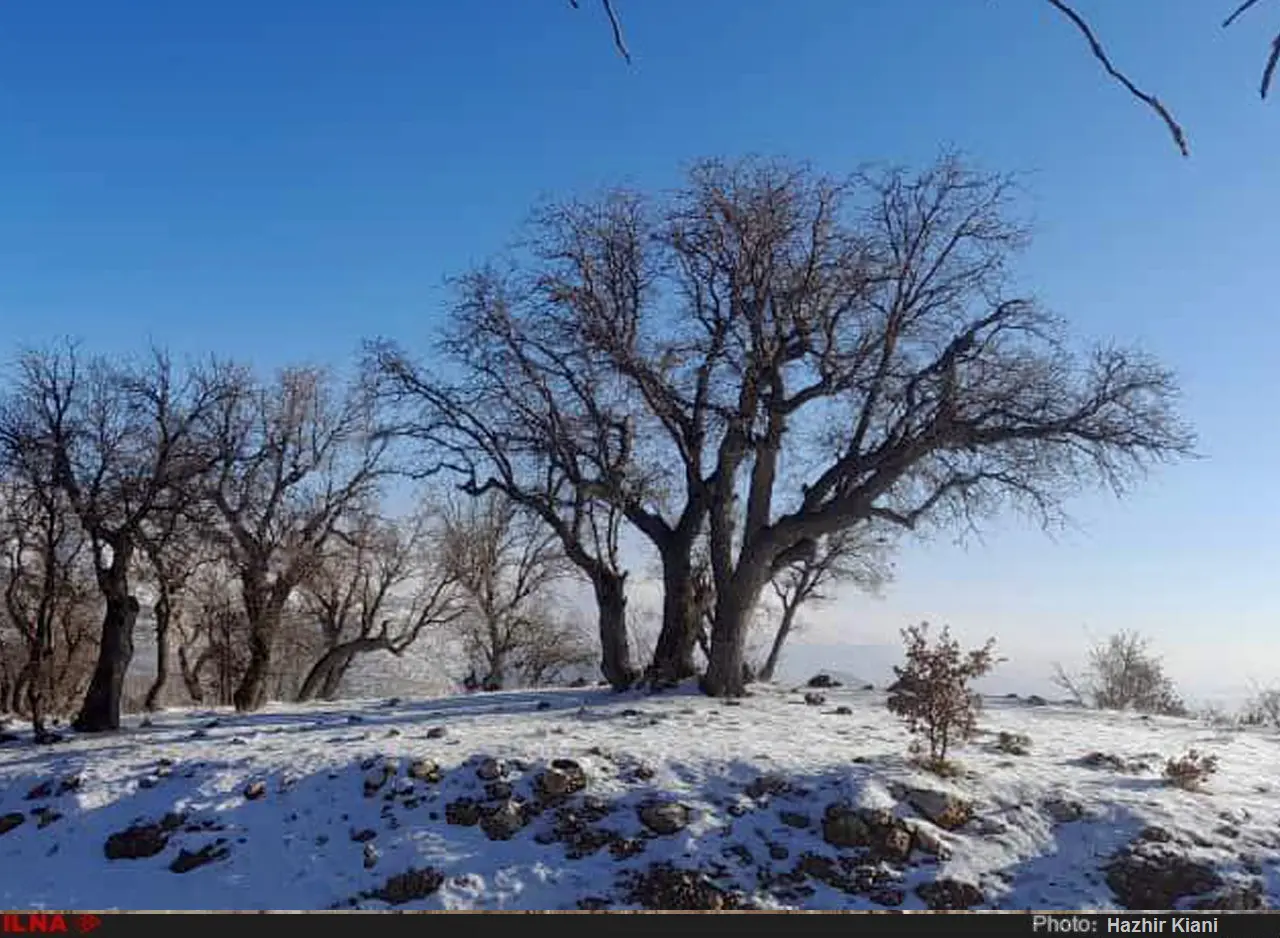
{"points": [[673, 656], [779, 639], [191, 674], [251, 694], [615, 649], [496, 679], [100, 711], [264, 604], [726, 676], [163, 611]]}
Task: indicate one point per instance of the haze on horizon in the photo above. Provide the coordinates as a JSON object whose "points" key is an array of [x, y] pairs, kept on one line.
{"points": [[278, 182]]}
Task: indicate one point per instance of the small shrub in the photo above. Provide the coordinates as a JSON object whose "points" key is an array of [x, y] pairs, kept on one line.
{"points": [[932, 688], [1014, 744], [1262, 709], [1123, 673], [1190, 771]]}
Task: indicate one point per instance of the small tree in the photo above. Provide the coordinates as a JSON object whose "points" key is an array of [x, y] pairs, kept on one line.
{"points": [[932, 690], [504, 562], [382, 585], [855, 557], [1123, 674]]}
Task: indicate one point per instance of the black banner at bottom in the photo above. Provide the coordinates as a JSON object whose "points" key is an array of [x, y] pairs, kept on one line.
{"points": [[868, 924]]}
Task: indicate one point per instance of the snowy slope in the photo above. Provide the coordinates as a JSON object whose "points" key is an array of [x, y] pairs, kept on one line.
{"points": [[331, 806]]}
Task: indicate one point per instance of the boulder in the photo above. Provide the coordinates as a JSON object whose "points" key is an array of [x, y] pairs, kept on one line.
{"points": [[425, 770], [1152, 876], [950, 894], [503, 822], [664, 817], [947, 810], [565, 777]]}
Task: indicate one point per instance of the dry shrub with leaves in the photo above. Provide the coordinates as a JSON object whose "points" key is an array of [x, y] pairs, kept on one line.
{"points": [[1190, 771], [932, 688]]}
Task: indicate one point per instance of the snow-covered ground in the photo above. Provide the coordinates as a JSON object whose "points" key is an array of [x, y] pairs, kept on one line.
{"points": [[567, 799]]}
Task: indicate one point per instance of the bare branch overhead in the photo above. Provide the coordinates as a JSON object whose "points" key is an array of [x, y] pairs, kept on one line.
{"points": [[1082, 25]]}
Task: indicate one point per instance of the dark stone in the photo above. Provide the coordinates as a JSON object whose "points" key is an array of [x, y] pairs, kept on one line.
{"points": [[950, 894], [188, 860]]}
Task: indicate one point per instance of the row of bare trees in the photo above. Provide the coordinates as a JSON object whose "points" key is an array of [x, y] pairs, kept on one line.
{"points": [[251, 516], [765, 377]]}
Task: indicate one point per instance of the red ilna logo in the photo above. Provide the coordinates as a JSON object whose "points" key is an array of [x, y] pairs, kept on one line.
{"points": [[32, 923]]}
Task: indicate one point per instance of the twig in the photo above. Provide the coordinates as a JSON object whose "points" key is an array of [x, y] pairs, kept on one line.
{"points": [[1268, 70], [619, 41], [1239, 11], [1151, 101]]}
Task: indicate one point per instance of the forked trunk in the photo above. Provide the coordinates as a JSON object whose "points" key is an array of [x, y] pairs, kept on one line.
{"points": [[325, 676]]}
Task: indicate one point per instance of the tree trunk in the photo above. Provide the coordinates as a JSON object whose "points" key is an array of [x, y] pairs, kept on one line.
{"points": [[38, 687], [101, 708], [726, 676], [191, 675], [163, 611], [775, 652], [251, 694], [20, 698], [496, 679], [615, 649], [264, 608], [673, 655], [326, 674], [333, 680]]}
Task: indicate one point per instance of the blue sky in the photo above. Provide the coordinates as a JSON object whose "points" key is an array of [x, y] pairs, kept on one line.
{"points": [[277, 180]]}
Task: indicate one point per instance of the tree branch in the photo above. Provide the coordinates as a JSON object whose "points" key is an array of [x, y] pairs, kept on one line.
{"points": [[1150, 100]]}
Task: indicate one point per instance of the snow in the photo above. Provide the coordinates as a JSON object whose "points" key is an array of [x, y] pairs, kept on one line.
{"points": [[315, 840]]}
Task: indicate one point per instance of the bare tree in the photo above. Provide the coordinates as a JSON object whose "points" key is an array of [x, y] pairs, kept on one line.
{"points": [[504, 561], [381, 585], [553, 649], [1122, 673], [853, 557], [1080, 23], [176, 553], [532, 418], [118, 441], [212, 636], [594, 279], [294, 459], [822, 355], [48, 599]]}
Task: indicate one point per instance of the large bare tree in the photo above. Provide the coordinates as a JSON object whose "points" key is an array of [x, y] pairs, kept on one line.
{"points": [[818, 355], [295, 457]]}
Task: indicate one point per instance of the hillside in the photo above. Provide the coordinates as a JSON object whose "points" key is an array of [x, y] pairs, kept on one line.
{"points": [[569, 799]]}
